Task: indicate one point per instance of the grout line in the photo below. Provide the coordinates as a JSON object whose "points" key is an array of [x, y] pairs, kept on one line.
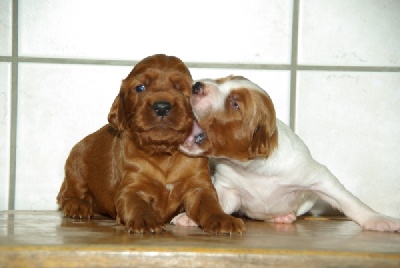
{"points": [[22, 59], [294, 66], [213, 65], [348, 68], [14, 107]]}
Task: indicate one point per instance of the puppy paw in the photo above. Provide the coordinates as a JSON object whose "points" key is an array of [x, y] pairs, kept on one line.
{"points": [[223, 224], [381, 223], [289, 218], [77, 208], [145, 224], [183, 220]]}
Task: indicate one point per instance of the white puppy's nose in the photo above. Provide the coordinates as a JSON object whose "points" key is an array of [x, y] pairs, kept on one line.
{"points": [[197, 88]]}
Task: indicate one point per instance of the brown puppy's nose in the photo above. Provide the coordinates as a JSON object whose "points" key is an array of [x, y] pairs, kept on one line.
{"points": [[162, 108], [197, 88]]}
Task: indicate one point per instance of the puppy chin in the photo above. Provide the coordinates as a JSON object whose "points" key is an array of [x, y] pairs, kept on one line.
{"points": [[191, 151]]}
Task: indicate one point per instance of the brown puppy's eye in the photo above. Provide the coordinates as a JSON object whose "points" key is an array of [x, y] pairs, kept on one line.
{"points": [[140, 88]]}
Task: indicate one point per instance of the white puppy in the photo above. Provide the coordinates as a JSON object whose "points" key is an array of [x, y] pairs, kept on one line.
{"points": [[263, 169]]}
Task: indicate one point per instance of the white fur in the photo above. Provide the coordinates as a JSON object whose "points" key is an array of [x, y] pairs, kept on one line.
{"points": [[217, 95], [287, 183]]}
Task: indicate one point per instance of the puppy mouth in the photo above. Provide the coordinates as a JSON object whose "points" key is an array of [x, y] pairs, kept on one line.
{"points": [[200, 138], [162, 125], [196, 137]]}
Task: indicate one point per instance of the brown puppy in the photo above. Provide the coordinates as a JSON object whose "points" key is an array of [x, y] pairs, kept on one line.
{"points": [[131, 168]]}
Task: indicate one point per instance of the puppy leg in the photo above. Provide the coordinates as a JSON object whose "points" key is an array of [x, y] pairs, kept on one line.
{"points": [[202, 206], [289, 218], [228, 198], [75, 198], [328, 187], [136, 208]]}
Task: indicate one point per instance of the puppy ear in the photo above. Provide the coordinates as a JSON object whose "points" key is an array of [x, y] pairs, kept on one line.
{"points": [[258, 144], [263, 142], [265, 135], [115, 116]]}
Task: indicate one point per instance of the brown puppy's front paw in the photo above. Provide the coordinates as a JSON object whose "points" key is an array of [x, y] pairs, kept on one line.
{"points": [[145, 224], [223, 224], [77, 208]]}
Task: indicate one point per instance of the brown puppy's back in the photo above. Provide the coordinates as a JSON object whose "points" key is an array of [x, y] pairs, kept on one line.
{"points": [[89, 165]]}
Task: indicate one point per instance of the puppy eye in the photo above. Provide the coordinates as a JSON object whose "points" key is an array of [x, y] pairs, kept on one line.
{"points": [[235, 105], [140, 88], [233, 101]]}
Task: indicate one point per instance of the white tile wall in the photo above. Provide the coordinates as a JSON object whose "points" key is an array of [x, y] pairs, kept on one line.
{"points": [[5, 27], [351, 32], [250, 31], [58, 106], [351, 123], [5, 94]]}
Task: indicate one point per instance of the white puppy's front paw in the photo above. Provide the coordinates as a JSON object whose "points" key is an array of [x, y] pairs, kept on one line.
{"points": [[381, 223], [183, 220]]}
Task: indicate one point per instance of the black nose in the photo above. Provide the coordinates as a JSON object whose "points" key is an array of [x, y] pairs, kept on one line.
{"points": [[197, 87], [162, 108]]}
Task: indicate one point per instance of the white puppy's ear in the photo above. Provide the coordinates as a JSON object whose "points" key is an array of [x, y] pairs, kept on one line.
{"points": [[258, 146], [263, 142], [116, 115], [265, 135]]}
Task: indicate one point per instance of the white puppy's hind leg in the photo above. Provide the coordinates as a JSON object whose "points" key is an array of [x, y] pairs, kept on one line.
{"points": [[328, 187], [381, 223], [292, 216], [289, 218]]}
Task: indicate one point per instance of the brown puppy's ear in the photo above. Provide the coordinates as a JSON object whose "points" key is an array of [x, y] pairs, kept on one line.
{"points": [[115, 116]]}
